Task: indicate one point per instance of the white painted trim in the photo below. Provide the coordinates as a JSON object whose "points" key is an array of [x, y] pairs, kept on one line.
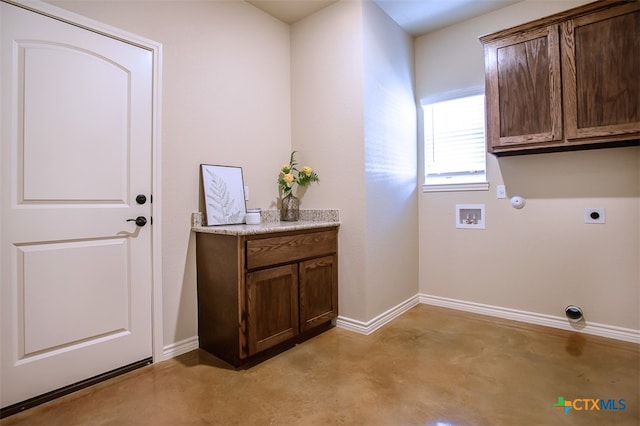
{"points": [[596, 329], [77, 20], [377, 322], [156, 230], [602, 330], [157, 300], [453, 187], [453, 94], [181, 347]]}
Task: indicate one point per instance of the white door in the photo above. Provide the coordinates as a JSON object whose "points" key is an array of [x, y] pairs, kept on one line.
{"points": [[76, 120]]}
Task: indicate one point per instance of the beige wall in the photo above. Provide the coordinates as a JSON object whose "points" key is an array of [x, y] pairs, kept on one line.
{"points": [[390, 163], [328, 130], [226, 100], [543, 257], [241, 88], [353, 114]]}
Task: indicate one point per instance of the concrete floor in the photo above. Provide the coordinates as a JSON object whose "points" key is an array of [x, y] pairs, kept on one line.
{"points": [[430, 366]]}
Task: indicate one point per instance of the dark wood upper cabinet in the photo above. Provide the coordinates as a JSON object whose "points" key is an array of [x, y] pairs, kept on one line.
{"points": [[568, 81]]}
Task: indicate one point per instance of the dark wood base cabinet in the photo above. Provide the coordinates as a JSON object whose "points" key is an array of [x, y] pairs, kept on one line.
{"points": [[260, 293]]}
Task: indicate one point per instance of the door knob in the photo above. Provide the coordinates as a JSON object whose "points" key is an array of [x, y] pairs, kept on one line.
{"points": [[141, 199], [140, 220]]}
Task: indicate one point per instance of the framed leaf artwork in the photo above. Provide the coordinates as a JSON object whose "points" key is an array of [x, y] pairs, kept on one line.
{"points": [[223, 194]]}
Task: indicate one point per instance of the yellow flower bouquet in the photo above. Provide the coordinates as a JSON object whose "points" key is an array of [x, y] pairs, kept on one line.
{"points": [[290, 176]]}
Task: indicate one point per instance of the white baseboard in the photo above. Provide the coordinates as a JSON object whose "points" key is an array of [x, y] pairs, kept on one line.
{"points": [[596, 329], [181, 347], [602, 330], [374, 324]]}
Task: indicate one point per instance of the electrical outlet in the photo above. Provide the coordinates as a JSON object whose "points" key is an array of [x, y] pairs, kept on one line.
{"points": [[594, 215], [501, 191]]}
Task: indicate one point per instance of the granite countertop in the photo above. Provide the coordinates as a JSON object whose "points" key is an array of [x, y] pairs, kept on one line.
{"points": [[309, 219]]}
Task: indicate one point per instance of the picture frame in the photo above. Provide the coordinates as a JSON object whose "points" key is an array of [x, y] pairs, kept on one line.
{"points": [[224, 197]]}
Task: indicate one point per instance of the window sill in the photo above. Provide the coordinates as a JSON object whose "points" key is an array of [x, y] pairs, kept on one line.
{"points": [[452, 187]]}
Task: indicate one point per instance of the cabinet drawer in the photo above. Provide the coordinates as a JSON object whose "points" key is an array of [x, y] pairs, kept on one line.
{"points": [[289, 248]]}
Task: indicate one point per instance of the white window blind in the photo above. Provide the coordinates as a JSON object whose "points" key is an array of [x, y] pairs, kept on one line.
{"points": [[454, 141]]}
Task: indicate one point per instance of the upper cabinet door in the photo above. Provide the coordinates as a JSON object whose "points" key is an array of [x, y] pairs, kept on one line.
{"points": [[601, 72], [523, 92]]}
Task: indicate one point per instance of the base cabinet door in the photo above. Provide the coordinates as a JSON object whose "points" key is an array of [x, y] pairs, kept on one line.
{"points": [[318, 291], [272, 307]]}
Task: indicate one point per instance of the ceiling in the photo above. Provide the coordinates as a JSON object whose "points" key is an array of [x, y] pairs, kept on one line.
{"points": [[416, 17], [290, 11]]}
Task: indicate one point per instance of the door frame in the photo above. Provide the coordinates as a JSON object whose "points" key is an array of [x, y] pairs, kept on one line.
{"points": [[156, 49]]}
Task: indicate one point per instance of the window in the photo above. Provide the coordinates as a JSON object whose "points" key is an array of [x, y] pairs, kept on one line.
{"points": [[454, 144]]}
